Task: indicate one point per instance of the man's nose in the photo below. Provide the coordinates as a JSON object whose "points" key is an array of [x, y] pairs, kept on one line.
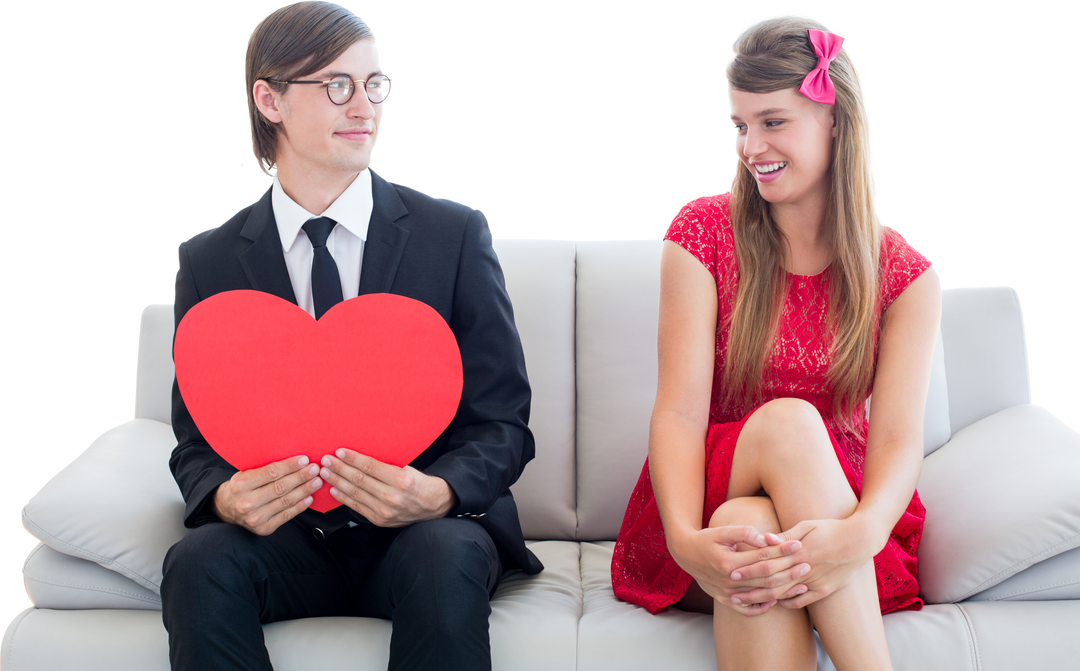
{"points": [[360, 107]]}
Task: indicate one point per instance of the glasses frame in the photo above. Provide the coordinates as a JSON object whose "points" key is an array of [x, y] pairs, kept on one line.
{"points": [[355, 82]]}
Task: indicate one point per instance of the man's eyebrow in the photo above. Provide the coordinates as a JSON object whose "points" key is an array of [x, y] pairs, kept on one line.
{"points": [[764, 113], [331, 75]]}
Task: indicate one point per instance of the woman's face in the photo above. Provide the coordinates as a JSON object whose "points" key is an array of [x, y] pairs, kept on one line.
{"points": [[785, 140]]}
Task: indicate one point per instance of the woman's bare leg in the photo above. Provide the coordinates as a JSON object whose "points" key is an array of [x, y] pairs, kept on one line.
{"points": [[778, 639], [785, 452]]}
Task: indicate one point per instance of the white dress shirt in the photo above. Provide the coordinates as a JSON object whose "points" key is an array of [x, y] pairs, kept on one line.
{"points": [[351, 211]]}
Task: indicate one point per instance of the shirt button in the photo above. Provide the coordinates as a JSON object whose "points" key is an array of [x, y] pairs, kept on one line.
{"points": [[318, 533]]}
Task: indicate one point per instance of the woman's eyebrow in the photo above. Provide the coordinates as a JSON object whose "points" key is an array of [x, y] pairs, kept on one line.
{"points": [[764, 113]]}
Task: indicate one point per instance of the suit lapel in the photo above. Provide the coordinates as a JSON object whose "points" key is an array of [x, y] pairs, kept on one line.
{"points": [[385, 240], [264, 261]]}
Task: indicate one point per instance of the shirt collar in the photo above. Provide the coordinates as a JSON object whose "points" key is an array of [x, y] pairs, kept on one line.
{"points": [[352, 209]]}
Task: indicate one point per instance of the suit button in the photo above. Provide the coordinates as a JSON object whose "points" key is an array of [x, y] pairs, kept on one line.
{"points": [[318, 533]]}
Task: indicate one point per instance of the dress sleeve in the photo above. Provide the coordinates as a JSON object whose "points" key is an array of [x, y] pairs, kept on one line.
{"points": [[702, 228], [900, 264]]}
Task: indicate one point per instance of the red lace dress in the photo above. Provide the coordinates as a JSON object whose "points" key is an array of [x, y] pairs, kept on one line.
{"points": [[642, 570]]}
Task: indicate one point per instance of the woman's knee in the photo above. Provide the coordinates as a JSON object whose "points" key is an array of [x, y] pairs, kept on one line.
{"points": [[791, 415], [754, 511], [787, 423]]}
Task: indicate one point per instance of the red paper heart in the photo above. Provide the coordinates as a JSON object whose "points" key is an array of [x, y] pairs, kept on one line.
{"points": [[380, 374]]}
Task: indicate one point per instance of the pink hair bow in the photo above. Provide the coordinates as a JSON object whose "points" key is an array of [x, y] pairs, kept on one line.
{"points": [[818, 85]]}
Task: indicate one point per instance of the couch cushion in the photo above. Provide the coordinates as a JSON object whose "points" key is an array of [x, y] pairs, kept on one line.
{"points": [[1025, 634], [1002, 495], [540, 281], [533, 628], [153, 381], [56, 580], [1052, 579], [618, 298], [985, 353], [533, 625], [971, 636], [936, 427], [116, 504]]}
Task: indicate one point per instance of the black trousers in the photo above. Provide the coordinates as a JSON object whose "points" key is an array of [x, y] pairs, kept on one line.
{"points": [[432, 579]]}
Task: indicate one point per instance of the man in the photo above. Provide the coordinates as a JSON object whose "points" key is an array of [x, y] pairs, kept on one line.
{"points": [[423, 545]]}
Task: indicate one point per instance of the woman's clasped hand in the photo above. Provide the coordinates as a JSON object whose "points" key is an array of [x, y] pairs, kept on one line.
{"points": [[837, 550], [742, 568]]}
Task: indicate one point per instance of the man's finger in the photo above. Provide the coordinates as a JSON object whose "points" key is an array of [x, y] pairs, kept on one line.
{"points": [[369, 466], [275, 522], [279, 489], [261, 476]]}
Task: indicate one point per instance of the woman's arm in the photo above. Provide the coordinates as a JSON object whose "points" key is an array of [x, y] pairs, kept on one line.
{"points": [[838, 548], [894, 446], [686, 344]]}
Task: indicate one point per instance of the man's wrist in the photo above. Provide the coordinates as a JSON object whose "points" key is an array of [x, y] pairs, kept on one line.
{"points": [[443, 499]]}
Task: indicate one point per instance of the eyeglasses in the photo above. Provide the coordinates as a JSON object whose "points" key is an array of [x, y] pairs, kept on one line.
{"points": [[340, 89]]}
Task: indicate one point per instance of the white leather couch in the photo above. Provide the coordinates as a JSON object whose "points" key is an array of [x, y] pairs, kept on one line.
{"points": [[999, 562]]}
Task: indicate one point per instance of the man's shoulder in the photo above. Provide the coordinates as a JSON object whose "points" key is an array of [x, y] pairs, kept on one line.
{"points": [[222, 236], [430, 209]]}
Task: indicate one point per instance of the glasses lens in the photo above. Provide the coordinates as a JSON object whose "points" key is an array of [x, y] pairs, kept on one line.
{"points": [[340, 90], [378, 87]]}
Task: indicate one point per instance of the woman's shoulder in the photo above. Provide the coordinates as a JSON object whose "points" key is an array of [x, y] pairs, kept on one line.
{"points": [[713, 211], [901, 264], [703, 228]]}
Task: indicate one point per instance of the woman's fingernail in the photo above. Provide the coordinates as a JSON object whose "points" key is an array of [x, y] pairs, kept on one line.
{"points": [[760, 538], [735, 600], [804, 570], [736, 576]]}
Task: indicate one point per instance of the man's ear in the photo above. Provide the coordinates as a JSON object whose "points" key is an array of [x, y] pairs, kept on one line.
{"points": [[267, 100]]}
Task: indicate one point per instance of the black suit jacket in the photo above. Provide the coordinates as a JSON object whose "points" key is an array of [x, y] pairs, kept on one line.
{"points": [[434, 251]]}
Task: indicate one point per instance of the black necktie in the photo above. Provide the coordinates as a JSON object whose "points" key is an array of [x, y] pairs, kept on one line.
{"points": [[325, 282]]}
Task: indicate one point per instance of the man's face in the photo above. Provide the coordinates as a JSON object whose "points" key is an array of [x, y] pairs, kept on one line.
{"points": [[322, 139]]}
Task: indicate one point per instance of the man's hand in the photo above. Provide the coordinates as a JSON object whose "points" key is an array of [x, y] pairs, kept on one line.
{"points": [[386, 495], [262, 499]]}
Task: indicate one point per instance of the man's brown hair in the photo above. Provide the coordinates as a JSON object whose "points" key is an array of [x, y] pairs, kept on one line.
{"points": [[292, 42]]}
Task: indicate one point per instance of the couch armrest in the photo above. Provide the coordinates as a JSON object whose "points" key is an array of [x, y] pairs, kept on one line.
{"points": [[116, 504], [1002, 495]]}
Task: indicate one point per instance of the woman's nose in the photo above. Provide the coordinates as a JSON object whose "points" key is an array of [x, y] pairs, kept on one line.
{"points": [[754, 143]]}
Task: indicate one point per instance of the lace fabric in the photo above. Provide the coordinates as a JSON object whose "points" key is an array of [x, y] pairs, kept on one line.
{"points": [[643, 571]]}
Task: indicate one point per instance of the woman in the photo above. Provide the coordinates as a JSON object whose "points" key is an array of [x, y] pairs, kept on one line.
{"points": [[769, 498]]}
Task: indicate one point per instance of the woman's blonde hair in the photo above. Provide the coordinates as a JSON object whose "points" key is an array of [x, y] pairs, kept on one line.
{"points": [[772, 56]]}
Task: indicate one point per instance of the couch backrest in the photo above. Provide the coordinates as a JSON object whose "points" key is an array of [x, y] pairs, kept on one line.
{"points": [[587, 314], [985, 353]]}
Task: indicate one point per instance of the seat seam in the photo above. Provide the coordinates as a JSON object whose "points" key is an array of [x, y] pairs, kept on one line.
{"points": [[1063, 583], [96, 588], [1049, 552], [973, 641]]}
